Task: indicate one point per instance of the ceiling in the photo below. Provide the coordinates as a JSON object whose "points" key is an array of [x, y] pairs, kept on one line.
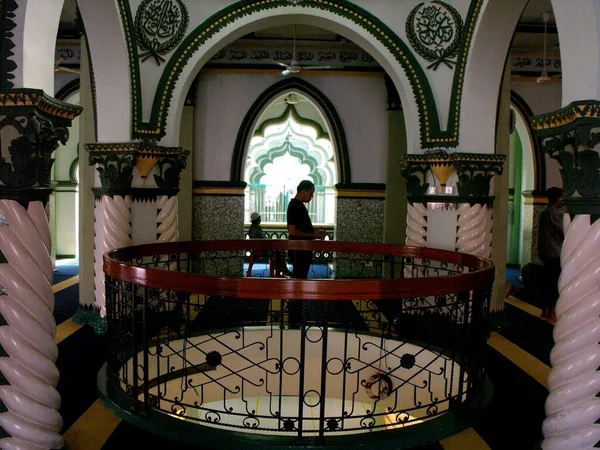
{"points": [[529, 35]]}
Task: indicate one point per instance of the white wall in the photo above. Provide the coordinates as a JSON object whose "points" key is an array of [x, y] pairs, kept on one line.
{"points": [[222, 101]]}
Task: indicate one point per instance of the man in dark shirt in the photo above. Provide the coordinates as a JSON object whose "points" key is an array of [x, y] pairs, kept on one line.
{"points": [[550, 239], [300, 228]]}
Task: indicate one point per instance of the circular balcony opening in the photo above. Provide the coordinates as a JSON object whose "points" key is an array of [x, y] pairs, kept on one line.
{"points": [[387, 349]]}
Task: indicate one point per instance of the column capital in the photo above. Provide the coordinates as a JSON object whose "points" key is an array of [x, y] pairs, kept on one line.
{"points": [[33, 125], [571, 136], [474, 172], [116, 161]]}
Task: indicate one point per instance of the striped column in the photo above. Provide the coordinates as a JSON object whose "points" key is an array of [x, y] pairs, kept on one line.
{"points": [[570, 136], [32, 125], [112, 219], [449, 201]]}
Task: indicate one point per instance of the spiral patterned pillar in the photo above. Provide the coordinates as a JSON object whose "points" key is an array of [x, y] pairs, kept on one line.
{"points": [[112, 218], [570, 136], [29, 400], [453, 189], [166, 165]]}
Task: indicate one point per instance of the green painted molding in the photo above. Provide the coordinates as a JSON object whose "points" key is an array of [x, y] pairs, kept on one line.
{"points": [[577, 113], [474, 170], [431, 134], [538, 155], [73, 170], [569, 136], [245, 132], [7, 24], [115, 162], [290, 111], [25, 100]]}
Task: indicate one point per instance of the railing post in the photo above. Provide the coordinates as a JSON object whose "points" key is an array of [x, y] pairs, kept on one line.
{"points": [[145, 349], [325, 331], [302, 368]]}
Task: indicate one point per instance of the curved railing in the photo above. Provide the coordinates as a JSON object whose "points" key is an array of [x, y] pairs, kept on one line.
{"points": [[388, 337]]}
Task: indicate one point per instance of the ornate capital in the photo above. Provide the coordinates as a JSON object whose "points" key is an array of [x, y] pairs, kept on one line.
{"points": [[32, 126], [571, 136], [115, 163], [414, 169], [474, 170]]}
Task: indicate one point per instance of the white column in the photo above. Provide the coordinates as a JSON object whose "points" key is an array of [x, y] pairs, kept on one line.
{"points": [[572, 407], [26, 304], [113, 230]]}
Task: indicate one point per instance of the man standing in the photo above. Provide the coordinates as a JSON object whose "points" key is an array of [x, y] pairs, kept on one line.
{"points": [[300, 228], [550, 240]]}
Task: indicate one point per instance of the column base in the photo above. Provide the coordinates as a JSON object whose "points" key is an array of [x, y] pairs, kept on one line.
{"points": [[89, 315]]}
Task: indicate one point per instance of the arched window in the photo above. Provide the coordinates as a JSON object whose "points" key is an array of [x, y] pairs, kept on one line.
{"points": [[285, 149]]}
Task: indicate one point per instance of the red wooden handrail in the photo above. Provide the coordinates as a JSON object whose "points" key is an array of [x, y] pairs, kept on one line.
{"points": [[478, 275]]}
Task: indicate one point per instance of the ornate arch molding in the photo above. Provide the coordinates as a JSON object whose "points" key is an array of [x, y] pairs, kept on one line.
{"points": [[68, 89], [431, 134], [246, 129], [539, 162]]}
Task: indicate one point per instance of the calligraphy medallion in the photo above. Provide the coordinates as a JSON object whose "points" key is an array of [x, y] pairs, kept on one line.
{"points": [[160, 25], [434, 30]]}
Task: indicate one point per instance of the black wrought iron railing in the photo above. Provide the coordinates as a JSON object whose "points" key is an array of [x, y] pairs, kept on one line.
{"points": [[389, 337]]}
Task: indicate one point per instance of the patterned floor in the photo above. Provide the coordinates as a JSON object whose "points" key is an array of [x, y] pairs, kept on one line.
{"points": [[517, 357]]}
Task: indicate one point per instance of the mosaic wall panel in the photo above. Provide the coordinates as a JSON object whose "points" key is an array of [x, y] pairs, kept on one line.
{"points": [[531, 220], [358, 220], [217, 217]]}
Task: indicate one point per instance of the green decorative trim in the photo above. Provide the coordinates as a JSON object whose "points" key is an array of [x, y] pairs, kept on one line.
{"points": [[570, 136], [68, 89], [31, 151], [89, 315], [35, 194], [73, 170], [290, 111], [35, 100], [144, 195], [7, 24], [93, 87], [290, 84], [430, 130], [170, 167], [65, 256], [583, 205], [428, 29], [160, 25], [579, 161], [114, 165], [393, 98], [361, 190], [116, 162], [581, 112], [219, 188], [475, 171], [539, 162]]}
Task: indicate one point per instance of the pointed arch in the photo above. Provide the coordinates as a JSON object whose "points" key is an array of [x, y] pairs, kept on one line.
{"points": [[338, 137], [539, 162]]}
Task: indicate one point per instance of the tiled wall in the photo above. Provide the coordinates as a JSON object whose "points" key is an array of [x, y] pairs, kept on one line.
{"points": [[217, 217]]}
